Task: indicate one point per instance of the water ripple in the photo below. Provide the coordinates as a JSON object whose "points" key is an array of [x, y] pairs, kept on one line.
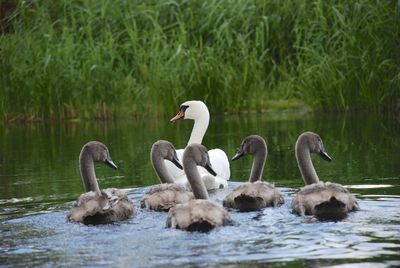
{"points": [[271, 235]]}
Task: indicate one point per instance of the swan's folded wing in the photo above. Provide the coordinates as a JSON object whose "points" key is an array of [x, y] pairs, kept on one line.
{"points": [[197, 211], [312, 196], [220, 163], [252, 196], [164, 196]]}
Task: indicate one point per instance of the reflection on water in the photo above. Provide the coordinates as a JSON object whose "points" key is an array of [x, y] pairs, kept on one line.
{"points": [[40, 179], [270, 235], [369, 186]]}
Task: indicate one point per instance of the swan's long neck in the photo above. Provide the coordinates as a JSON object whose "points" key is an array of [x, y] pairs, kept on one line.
{"points": [[193, 175], [161, 169], [258, 164], [305, 164], [199, 128], [88, 175]]}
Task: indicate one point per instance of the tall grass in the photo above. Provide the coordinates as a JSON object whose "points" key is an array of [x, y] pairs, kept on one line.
{"points": [[105, 58]]}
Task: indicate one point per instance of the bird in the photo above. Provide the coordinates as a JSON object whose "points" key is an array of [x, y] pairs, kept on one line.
{"points": [[162, 197], [254, 194], [97, 206], [198, 111], [325, 200], [200, 214]]}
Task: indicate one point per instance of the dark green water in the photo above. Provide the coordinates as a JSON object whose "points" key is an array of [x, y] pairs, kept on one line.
{"points": [[39, 179]]}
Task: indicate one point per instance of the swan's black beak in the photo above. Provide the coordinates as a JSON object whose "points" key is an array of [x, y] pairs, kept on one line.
{"points": [[110, 163], [176, 162], [239, 154], [325, 156], [209, 168]]}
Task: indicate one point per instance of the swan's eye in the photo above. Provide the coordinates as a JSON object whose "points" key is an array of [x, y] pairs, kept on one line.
{"points": [[183, 108]]}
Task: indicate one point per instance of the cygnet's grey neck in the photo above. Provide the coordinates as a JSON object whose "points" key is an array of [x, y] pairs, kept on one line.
{"points": [[257, 168], [86, 165], [194, 178], [304, 162], [157, 160], [199, 128]]}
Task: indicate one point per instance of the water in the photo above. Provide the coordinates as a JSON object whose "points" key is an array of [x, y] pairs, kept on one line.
{"points": [[40, 179]]}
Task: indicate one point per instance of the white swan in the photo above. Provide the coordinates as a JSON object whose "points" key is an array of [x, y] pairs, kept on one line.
{"points": [[197, 111]]}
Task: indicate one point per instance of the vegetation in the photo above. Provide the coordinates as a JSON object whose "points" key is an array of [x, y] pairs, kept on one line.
{"points": [[105, 58]]}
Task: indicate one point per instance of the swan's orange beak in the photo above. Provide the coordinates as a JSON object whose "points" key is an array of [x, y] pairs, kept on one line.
{"points": [[180, 115]]}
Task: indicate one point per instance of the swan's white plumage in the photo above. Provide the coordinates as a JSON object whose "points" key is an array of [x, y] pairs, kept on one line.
{"points": [[197, 111]]}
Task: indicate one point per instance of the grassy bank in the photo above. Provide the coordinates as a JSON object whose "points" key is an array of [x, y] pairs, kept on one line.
{"points": [[104, 58]]}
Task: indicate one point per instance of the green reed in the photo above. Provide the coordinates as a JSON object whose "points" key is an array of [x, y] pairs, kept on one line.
{"points": [[101, 59]]}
